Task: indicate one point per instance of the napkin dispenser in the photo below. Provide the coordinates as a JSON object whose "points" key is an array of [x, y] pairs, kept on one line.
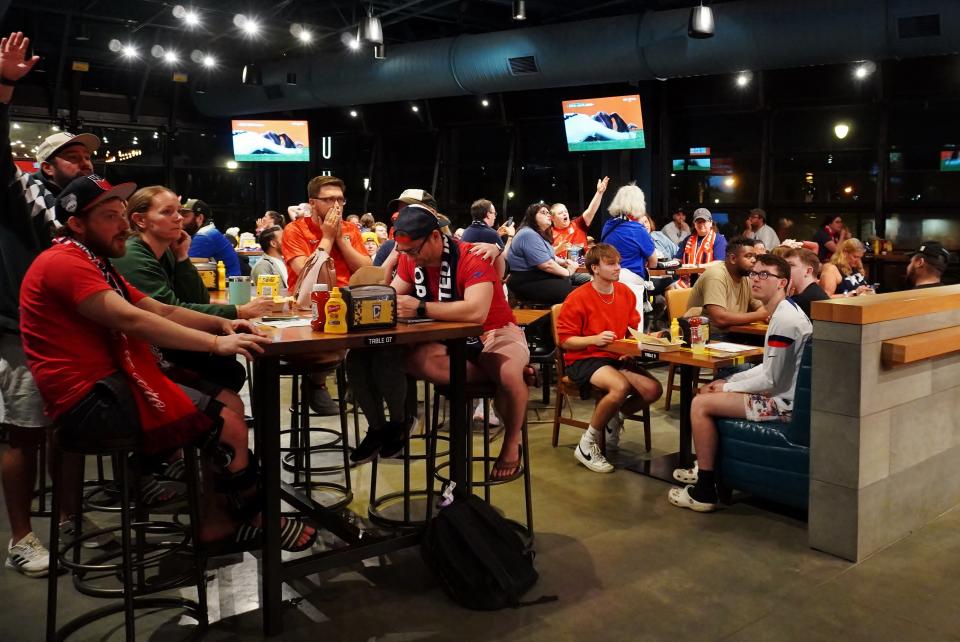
{"points": [[370, 307]]}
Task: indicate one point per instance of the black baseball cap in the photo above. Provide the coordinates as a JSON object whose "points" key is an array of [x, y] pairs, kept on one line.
{"points": [[934, 253], [197, 206], [415, 222], [84, 193]]}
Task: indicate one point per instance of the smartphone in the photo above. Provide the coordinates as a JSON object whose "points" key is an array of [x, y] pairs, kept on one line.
{"points": [[509, 222]]}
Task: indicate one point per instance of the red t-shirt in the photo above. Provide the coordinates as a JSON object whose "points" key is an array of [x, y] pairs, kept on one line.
{"points": [[573, 234], [67, 353], [471, 269], [586, 312], [302, 237]]}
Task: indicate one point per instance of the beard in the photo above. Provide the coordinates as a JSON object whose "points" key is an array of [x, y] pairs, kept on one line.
{"points": [[191, 228], [108, 249]]}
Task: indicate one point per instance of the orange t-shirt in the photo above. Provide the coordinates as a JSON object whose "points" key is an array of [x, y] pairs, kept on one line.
{"points": [[302, 237], [573, 234], [586, 312]]}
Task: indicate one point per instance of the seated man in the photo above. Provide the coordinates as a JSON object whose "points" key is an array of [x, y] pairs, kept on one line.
{"points": [[927, 266], [722, 292], [592, 317], [100, 380], [271, 263], [705, 244], [473, 292], [209, 242], [804, 272], [762, 393]]}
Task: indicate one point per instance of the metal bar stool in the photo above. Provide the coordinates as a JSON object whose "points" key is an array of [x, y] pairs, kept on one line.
{"points": [[485, 391], [138, 554]]}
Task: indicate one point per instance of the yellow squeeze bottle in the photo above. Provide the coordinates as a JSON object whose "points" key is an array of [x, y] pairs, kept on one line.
{"points": [[674, 331], [336, 311], [221, 276]]}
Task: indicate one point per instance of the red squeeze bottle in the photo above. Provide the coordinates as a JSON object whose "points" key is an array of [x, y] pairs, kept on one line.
{"points": [[318, 299]]}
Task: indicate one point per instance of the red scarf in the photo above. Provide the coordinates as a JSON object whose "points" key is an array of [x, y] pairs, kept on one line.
{"points": [[168, 418], [693, 255]]}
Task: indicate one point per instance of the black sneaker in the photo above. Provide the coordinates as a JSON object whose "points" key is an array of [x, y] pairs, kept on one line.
{"points": [[395, 436], [321, 402], [368, 448]]}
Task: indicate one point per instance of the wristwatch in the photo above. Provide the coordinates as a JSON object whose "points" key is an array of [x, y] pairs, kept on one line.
{"points": [[422, 309]]}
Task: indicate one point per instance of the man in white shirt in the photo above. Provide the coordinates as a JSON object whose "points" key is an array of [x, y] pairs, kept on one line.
{"points": [[762, 393], [758, 230], [272, 260]]}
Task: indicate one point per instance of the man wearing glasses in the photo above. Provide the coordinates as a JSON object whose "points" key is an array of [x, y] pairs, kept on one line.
{"points": [[762, 393], [325, 229]]}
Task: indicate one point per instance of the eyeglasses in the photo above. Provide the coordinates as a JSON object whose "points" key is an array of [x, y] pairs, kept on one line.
{"points": [[412, 252], [764, 275], [331, 199]]}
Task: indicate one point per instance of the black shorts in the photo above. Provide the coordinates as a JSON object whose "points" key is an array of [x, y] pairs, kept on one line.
{"points": [[581, 370], [107, 417]]}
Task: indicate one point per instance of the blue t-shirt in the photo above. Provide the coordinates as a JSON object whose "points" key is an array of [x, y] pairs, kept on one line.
{"points": [[719, 247], [632, 241], [210, 243], [384, 252], [528, 250], [480, 232]]}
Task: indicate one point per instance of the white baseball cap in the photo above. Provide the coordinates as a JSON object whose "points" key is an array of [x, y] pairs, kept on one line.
{"points": [[55, 142]]}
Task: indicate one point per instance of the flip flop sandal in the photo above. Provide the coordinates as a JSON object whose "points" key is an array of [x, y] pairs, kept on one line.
{"points": [[516, 465], [680, 497], [250, 538], [687, 475]]}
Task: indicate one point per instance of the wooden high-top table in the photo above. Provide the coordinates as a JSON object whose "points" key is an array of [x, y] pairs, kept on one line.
{"points": [[302, 343], [689, 364]]}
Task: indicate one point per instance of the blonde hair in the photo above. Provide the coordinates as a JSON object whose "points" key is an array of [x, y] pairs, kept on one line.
{"points": [[141, 201], [628, 201], [840, 257]]}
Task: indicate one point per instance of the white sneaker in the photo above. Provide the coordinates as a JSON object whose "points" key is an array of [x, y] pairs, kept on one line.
{"points": [[478, 415], [612, 432], [86, 525], [28, 556], [681, 498], [687, 475], [592, 458]]}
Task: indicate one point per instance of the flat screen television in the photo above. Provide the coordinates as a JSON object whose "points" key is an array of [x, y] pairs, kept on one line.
{"points": [[698, 164], [678, 164], [595, 124], [271, 140], [950, 160], [699, 151]]}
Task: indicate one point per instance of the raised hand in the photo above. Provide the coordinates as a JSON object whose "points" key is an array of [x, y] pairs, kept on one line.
{"points": [[602, 184], [13, 62]]}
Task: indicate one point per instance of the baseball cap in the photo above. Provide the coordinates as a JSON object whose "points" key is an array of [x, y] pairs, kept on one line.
{"points": [[702, 213], [415, 222], [935, 253], [197, 206], [83, 193], [55, 142]]}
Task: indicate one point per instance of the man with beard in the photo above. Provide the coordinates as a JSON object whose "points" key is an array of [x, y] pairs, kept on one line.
{"points": [[100, 379], [27, 222], [927, 266], [208, 242], [722, 292]]}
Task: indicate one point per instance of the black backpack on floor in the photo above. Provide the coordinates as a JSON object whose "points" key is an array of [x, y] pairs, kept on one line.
{"points": [[480, 560]]}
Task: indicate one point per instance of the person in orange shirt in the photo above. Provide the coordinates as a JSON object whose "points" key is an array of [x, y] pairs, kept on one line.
{"points": [[567, 232], [593, 316], [324, 229]]}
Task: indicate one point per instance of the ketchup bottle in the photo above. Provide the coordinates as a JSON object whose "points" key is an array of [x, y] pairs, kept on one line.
{"points": [[318, 301]]}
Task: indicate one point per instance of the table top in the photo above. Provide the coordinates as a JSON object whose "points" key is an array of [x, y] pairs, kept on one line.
{"points": [[862, 310], [303, 340], [750, 328], [685, 357], [683, 270], [526, 316]]}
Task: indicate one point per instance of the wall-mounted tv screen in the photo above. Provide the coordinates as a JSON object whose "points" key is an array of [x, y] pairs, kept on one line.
{"points": [[678, 164], [950, 160], [699, 151], [698, 165], [594, 124], [271, 140]]}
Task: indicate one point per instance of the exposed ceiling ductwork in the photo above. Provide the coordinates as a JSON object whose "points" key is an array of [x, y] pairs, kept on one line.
{"points": [[750, 34]]}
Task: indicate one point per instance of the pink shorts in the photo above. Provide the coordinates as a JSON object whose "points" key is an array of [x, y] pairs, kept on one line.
{"points": [[762, 407], [508, 341]]}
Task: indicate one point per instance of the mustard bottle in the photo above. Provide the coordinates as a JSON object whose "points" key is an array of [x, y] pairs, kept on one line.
{"points": [[221, 276], [336, 311], [674, 331]]}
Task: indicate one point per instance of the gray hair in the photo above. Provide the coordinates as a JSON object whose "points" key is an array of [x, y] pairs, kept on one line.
{"points": [[628, 201]]}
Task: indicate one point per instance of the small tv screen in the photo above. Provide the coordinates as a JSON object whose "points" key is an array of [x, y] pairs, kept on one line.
{"points": [[271, 140], [950, 160], [678, 164], [699, 151], [698, 165], [595, 124]]}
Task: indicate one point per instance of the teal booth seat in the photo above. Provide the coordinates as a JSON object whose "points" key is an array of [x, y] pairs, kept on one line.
{"points": [[771, 459]]}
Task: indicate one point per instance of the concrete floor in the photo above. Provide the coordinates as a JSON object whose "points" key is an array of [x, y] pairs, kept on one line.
{"points": [[625, 564]]}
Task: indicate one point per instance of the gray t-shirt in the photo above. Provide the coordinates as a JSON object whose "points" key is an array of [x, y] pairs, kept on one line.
{"points": [[528, 250], [766, 235]]}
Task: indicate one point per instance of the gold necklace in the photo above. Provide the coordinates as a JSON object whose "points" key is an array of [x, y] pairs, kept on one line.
{"points": [[613, 295]]}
